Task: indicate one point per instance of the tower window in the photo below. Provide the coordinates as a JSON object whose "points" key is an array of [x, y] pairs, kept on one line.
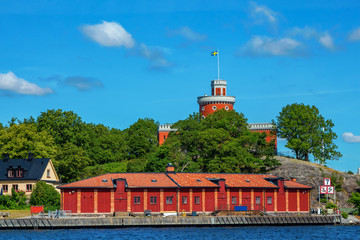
{"points": [[226, 108], [214, 108], [202, 108]]}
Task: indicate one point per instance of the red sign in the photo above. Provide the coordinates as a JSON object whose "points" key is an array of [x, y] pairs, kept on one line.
{"points": [[36, 209], [327, 181], [323, 189], [330, 190]]}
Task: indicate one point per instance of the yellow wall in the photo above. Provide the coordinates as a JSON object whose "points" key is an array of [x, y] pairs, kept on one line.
{"points": [[52, 176]]}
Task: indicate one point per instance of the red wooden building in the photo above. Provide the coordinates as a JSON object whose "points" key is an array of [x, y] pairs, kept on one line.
{"points": [[177, 192]]}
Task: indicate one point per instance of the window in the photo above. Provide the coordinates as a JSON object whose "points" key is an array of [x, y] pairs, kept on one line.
{"points": [[233, 200], [269, 200], [152, 200], [202, 108], [5, 188], [48, 173], [226, 108], [184, 200], [169, 200], [28, 187], [257, 200], [19, 173], [10, 173], [197, 200], [214, 108], [136, 200], [16, 187]]}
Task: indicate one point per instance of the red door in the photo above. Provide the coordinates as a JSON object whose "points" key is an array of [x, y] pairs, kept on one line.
{"points": [[104, 200], [70, 200], [87, 200], [120, 197]]}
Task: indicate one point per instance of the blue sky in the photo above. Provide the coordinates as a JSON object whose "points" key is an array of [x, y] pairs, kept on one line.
{"points": [[113, 62]]}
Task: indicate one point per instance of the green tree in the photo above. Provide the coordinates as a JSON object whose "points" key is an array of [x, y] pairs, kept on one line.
{"points": [[70, 162], [307, 132], [20, 139], [45, 195], [221, 142], [105, 145], [141, 138], [64, 126], [355, 200]]}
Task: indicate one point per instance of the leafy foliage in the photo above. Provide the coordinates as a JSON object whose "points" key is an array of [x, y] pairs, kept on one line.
{"points": [[219, 143], [141, 138], [19, 139], [307, 132], [330, 205], [71, 160], [45, 195], [17, 200], [355, 200], [99, 169]]}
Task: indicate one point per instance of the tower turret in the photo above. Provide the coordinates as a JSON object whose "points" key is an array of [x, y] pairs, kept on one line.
{"points": [[217, 100]]}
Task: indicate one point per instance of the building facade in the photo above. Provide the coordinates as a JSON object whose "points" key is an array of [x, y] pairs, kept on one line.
{"points": [[23, 174], [173, 192]]}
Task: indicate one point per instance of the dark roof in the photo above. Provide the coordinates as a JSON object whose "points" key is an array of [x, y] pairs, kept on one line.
{"points": [[33, 168]]}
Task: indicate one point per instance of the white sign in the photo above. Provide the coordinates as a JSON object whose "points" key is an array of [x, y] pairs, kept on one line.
{"points": [[327, 181], [323, 190], [330, 189]]}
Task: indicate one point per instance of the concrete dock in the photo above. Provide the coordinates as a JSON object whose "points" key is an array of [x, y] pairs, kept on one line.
{"points": [[110, 222]]}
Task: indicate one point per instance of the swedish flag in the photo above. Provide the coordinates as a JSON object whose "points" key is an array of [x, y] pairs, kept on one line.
{"points": [[214, 53]]}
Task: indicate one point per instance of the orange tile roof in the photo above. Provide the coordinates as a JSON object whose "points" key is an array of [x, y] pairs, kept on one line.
{"points": [[175, 180], [292, 184], [231, 180], [133, 180]]}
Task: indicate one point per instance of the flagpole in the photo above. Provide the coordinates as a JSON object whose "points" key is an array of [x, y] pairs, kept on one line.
{"points": [[218, 64]]}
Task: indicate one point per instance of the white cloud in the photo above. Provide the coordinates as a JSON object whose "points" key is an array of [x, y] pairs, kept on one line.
{"points": [[154, 54], [10, 82], [262, 13], [83, 83], [109, 34], [355, 35], [326, 40], [306, 32], [188, 34], [266, 46], [350, 137]]}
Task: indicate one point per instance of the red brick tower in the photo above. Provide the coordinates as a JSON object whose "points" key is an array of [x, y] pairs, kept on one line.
{"points": [[217, 100]]}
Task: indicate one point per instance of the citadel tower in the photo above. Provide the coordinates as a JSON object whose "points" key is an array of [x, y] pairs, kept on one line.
{"points": [[217, 100]]}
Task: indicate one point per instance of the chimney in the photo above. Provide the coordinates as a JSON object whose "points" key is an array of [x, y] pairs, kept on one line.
{"points": [[170, 168], [6, 156], [293, 179], [31, 156]]}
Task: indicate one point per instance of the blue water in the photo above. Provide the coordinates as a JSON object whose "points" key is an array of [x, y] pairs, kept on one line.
{"points": [[289, 232]]}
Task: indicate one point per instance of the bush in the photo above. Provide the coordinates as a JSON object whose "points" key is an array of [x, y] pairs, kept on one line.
{"points": [[330, 205], [344, 215], [323, 200], [355, 200], [45, 195], [17, 200]]}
